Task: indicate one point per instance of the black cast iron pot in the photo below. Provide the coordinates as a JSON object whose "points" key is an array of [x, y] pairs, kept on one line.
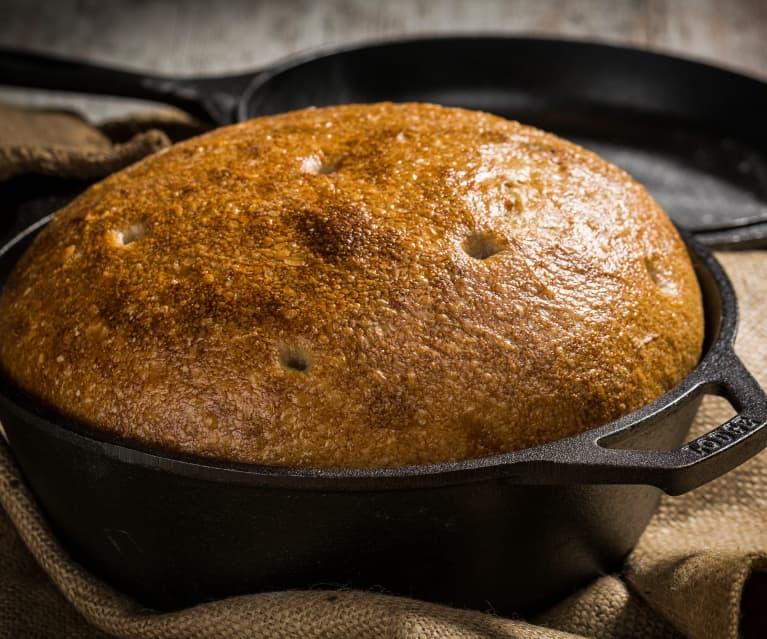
{"points": [[510, 532]]}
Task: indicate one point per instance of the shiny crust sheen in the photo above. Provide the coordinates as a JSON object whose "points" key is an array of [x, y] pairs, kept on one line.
{"points": [[355, 286]]}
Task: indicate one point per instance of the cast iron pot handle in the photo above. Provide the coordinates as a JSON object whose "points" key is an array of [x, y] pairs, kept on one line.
{"points": [[211, 99], [697, 462]]}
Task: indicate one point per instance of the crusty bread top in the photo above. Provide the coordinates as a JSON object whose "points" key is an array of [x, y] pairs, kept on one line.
{"points": [[362, 285]]}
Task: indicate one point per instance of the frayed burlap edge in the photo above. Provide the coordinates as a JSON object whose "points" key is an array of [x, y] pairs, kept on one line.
{"points": [[63, 144], [84, 164]]}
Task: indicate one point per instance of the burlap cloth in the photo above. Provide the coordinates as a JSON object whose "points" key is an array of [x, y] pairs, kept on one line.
{"points": [[700, 569]]}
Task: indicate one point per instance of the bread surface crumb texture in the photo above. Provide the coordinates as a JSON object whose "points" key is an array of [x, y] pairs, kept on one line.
{"points": [[355, 286]]}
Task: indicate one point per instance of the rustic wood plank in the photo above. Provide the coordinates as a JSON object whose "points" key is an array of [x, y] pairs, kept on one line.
{"points": [[731, 34]]}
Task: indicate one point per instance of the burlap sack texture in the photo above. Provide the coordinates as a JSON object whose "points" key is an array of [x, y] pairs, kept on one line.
{"points": [[63, 144], [700, 569]]}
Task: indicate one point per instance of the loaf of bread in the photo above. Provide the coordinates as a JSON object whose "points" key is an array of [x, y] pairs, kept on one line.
{"points": [[355, 286]]}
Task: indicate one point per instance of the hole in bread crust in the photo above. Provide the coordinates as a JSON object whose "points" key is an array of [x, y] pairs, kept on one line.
{"points": [[483, 244], [295, 359], [659, 277], [129, 234], [315, 165]]}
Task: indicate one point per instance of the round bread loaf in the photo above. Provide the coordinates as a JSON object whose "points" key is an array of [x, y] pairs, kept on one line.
{"points": [[355, 286]]}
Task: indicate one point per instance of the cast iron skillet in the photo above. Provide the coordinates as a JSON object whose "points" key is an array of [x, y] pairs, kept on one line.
{"points": [[508, 532]]}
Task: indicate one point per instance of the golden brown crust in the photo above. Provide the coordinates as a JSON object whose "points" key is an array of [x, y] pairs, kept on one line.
{"points": [[355, 286]]}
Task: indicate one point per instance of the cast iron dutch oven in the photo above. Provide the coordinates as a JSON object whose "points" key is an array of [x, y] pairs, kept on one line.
{"points": [[509, 532]]}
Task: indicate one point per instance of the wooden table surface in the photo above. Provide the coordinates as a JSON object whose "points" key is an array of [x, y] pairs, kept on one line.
{"points": [[203, 36]]}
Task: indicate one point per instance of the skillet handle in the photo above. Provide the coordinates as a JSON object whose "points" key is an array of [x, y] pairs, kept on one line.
{"points": [[204, 98], [697, 462]]}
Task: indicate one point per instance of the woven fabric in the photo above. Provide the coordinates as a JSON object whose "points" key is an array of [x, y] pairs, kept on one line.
{"points": [[699, 570], [63, 144]]}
